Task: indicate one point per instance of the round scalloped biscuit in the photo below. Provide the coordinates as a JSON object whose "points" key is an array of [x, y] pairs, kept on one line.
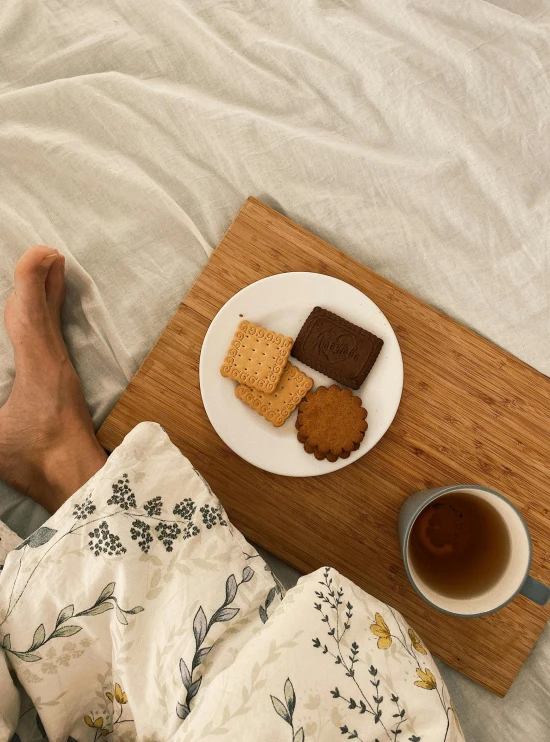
{"points": [[331, 422]]}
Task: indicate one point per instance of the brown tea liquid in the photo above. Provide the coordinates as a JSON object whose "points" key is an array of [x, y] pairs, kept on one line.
{"points": [[459, 545]]}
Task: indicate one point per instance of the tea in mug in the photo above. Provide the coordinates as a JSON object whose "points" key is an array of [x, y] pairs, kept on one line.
{"points": [[459, 545]]}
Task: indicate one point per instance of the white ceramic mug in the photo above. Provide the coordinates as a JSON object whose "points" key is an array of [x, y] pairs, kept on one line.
{"points": [[514, 577]]}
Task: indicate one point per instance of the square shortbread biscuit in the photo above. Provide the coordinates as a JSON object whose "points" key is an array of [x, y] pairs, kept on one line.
{"points": [[257, 357], [277, 407]]}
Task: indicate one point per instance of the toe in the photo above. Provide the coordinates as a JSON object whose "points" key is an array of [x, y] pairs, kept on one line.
{"points": [[55, 288], [30, 276]]}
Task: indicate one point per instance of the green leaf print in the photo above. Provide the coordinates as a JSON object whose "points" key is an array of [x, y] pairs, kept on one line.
{"points": [[38, 538], [290, 697], [230, 589], [107, 591], [26, 656], [65, 614], [38, 638], [105, 602], [287, 712], [201, 627], [64, 631], [281, 709], [97, 609]]}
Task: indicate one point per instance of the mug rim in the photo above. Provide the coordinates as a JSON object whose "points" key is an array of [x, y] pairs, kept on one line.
{"points": [[439, 492]]}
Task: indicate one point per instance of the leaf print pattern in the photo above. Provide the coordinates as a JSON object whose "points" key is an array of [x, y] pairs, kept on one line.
{"points": [[427, 680], [167, 533], [122, 494], [351, 734], [201, 627], [286, 711], [377, 698], [371, 705], [153, 506], [277, 590], [190, 530], [268, 601], [212, 516], [336, 630], [141, 532], [105, 602], [400, 714], [167, 530], [102, 541], [352, 692], [38, 538], [81, 511], [186, 509]]}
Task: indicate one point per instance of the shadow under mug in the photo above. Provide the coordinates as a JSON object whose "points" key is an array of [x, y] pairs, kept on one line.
{"points": [[515, 576]]}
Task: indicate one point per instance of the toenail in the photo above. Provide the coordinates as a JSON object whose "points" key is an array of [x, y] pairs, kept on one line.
{"points": [[48, 260]]}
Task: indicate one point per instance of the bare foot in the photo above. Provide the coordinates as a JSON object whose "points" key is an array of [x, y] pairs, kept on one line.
{"points": [[48, 448]]}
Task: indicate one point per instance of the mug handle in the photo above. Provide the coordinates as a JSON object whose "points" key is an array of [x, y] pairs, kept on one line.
{"points": [[535, 591]]}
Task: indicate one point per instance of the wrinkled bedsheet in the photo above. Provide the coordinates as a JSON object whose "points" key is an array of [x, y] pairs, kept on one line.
{"points": [[413, 135]]}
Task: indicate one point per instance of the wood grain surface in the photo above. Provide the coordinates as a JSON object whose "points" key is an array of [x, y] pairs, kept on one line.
{"points": [[470, 413]]}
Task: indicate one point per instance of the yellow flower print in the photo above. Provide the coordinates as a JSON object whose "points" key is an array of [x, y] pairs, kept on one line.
{"points": [[427, 679], [120, 696], [381, 630], [415, 641], [97, 723]]}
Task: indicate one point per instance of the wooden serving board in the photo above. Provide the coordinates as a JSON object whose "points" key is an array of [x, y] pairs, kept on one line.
{"points": [[470, 413]]}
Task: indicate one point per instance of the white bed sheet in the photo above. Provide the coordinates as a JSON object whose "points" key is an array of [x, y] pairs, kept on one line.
{"points": [[414, 135]]}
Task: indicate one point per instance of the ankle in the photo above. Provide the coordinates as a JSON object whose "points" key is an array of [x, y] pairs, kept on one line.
{"points": [[66, 469]]}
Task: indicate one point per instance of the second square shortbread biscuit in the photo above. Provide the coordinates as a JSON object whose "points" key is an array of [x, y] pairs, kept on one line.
{"points": [[277, 407], [257, 357]]}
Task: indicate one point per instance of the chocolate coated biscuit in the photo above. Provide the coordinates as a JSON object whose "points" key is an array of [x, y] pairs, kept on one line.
{"points": [[337, 348]]}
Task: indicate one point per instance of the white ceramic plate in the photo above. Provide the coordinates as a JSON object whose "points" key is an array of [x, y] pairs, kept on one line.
{"points": [[282, 303]]}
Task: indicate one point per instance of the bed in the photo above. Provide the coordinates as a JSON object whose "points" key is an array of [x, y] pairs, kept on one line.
{"points": [[412, 135]]}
